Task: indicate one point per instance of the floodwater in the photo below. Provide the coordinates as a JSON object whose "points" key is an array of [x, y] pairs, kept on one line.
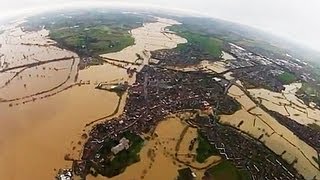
{"points": [[44, 109], [278, 138]]}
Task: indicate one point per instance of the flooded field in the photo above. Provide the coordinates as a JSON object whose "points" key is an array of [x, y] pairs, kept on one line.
{"points": [[46, 103], [278, 138], [288, 104]]}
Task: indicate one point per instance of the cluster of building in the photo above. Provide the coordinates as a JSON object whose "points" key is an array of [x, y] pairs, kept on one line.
{"points": [[255, 70], [156, 93], [244, 152], [246, 56], [248, 67], [260, 77]]}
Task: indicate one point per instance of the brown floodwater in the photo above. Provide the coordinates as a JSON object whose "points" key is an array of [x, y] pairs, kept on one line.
{"points": [[43, 112]]}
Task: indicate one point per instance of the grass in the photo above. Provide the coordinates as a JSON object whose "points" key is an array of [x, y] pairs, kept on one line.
{"points": [[205, 149], [287, 78], [227, 171], [211, 45]]}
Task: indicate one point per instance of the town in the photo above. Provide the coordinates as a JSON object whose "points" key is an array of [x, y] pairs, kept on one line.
{"points": [[159, 92]]}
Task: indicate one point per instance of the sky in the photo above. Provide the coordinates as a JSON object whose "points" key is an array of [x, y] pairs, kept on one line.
{"points": [[297, 20]]}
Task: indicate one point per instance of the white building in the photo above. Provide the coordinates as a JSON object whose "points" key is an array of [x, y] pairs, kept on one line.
{"points": [[123, 144]]}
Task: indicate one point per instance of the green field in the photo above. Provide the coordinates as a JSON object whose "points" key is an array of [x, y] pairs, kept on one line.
{"points": [[227, 171], [210, 45], [287, 78], [204, 150]]}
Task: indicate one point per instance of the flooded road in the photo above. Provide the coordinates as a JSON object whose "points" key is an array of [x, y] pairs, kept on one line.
{"points": [[44, 109]]}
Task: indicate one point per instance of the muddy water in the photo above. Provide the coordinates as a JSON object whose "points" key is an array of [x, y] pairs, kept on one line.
{"points": [[275, 136], [35, 135]]}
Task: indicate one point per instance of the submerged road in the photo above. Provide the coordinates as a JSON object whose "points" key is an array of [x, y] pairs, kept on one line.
{"points": [[36, 64]]}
